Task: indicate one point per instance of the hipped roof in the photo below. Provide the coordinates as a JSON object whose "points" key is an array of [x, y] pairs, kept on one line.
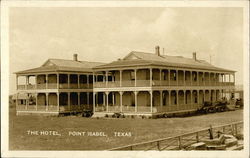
{"points": [[62, 65], [149, 59]]}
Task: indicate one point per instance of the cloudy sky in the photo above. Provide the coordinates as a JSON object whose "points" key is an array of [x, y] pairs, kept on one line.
{"points": [[106, 34]]}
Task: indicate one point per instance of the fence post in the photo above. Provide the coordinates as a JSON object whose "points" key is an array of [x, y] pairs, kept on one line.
{"points": [[223, 129], [232, 129], [179, 142], [197, 137], [236, 132], [158, 145]]}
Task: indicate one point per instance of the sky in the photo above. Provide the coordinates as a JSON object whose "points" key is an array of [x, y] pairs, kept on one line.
{"points": [[106, 34]]}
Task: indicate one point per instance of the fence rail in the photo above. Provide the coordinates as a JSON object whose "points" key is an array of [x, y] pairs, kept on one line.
{"points": [[182, 141]]}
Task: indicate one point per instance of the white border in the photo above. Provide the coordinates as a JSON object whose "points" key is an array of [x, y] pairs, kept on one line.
{"points": [[5, 78]]}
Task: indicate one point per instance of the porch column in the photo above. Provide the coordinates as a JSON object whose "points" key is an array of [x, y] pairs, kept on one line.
{"points": [[135, 77], [168, 77], [151, 101], [26, 101], [234, 78], [94, 101], [17, 99], [184, 76], [204, 80], [78, 81], [36, 100], [184, 92], [121, 93], [26, 82], [36, 82], [191, 81], [58, 101], [103, 99], [16, 81], [69, 100], [93, 78], [169, 97], [120, 78], [87, 76], [198, 96], [209, 82], [229, 77], [47, 101], [177, 97], [46, 76], [57, 78], [88, 98], [177, 82], [151, 76], [160, 98], [160, 75], [113, 98], [106, 78], [78, 98], [191, 98], [136, 106], [68, 81], [197, 78]]}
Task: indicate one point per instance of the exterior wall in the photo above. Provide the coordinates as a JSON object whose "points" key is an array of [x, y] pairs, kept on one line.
{"points": [[156, 98], [173, 98], [117, 75], [128, 99], [181, 97], [201, 96], [188, 97], [41, 79], [165, 98], [52, 99], [143, 99], [207, 97], [142, 74], [126, 75], [180, 76], [156, 74], [52, 78], [41, 99]]}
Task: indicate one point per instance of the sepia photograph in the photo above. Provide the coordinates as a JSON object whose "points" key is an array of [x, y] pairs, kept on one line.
{"points": [[125, 77]]}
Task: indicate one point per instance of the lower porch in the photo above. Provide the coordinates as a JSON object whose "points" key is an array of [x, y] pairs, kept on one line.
{"points": [[55, 103]]}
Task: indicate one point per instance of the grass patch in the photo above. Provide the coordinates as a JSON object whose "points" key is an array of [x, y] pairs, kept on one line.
{"points": [[141, 130]]}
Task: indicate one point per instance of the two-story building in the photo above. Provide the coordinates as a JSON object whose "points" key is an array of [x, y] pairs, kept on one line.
{"points": [[141, 83], [154, 84], [57, 87]]}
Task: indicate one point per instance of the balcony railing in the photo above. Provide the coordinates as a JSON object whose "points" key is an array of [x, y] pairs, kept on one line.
{"points": [[73, 85], [128, 83], [128, 109], [114, 108], [63, 86], [31, 86], [52, 85], [41, 86], [171, 108], [142, 83]]}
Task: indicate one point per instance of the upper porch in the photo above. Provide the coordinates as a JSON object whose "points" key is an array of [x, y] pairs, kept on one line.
{"points": [[54, 81], [157, 77]]}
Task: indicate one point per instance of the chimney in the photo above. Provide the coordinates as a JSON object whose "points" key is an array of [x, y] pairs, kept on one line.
{"points": [[157, 50], [75, 57], [194, 56]]}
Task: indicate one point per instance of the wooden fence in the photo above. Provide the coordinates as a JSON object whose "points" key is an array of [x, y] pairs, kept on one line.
{"points": [[182, 141]]}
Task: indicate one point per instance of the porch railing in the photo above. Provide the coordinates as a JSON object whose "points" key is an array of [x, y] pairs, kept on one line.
{"points": [[52, 85]]}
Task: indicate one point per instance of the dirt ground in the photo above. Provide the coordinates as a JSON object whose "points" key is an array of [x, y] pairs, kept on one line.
{"points": [[32, 132]]}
